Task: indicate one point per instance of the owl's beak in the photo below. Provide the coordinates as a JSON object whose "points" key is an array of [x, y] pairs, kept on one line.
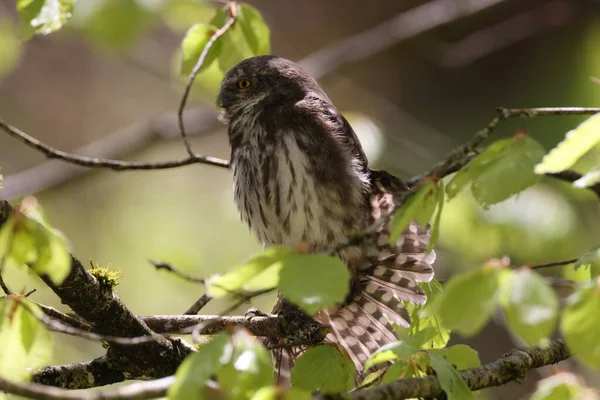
{"points": [[223, 99]]}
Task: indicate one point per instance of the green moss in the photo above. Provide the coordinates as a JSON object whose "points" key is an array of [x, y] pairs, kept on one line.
{"points": [[105, 276]]}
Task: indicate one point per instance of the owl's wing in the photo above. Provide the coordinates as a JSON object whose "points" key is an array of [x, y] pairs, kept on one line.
{"points": [[387, 277]]}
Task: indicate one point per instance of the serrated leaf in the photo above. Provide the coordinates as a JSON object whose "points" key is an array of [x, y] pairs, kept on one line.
{"points": [[590, 260], [255, 30], [26, 343], [425, 316], [505, 171], [469, 300], [530, 305], [576, 143], [193, 45], [249, 370], [562, 386], [402, 349], [313, 281], [450, 380], [323, 368], [248, 37], [192, 375], [259, 272], [43, 16], [420, 207], [580, 324], [460, 356], [399, 370], [26, 238]]}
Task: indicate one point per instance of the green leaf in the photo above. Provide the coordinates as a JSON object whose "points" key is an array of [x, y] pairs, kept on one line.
{"points": [[502, 170], [248, 37], [259, 272], [255, 30], [420, 207], [26, 238], [402, 349], [277, 393], [195, 371], [576, 143], [425, 316], [530, 305], [314, 281], [117, 24], [323, 368], [249, 369], [10, 51], [450, 380], [43, 16], [562, 386], [590, 259], [469, 300], [460, 356], [399, 370], [435, 228], [580, 324], [26, 343], [193, 45]]}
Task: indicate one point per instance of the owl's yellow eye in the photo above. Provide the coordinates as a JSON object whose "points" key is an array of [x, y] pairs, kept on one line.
{"points": [[243, 83]]}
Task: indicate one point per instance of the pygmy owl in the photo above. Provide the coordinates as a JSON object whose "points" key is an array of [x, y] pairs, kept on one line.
{"points": [[301, 178]]}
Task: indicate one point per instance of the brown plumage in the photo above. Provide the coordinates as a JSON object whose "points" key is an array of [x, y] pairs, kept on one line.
{"points": [[301, 178]]}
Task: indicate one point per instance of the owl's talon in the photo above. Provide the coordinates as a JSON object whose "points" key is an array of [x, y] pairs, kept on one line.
{"points": [[255, 312]]}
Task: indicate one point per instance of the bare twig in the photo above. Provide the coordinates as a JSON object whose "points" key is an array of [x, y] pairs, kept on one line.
{"points": [[188, 87], [511, 367], [553, 264], [134, 391], [58, 326], [112, 146], [116, 165], [199, 304], [66, 319], [184, 275]]}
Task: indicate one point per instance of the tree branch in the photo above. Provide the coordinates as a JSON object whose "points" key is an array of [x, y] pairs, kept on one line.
{"points": [[115, 165], [100, 306], [511, 367], [134, 391], [82, 375]]}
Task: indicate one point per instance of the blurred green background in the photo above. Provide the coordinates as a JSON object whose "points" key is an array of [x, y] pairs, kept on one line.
{"points": [[115, 67]]}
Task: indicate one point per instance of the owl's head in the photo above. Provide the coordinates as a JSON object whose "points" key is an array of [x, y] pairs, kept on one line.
{"points": [[264, 80]]}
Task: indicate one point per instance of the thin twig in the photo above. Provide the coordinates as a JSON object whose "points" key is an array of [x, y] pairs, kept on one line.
{"points": [[58, 326], [116, 165], [66, 319], [199, 304], [113, 145], [135, 391], [184, 275], [188, 87], [553, 264]]}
